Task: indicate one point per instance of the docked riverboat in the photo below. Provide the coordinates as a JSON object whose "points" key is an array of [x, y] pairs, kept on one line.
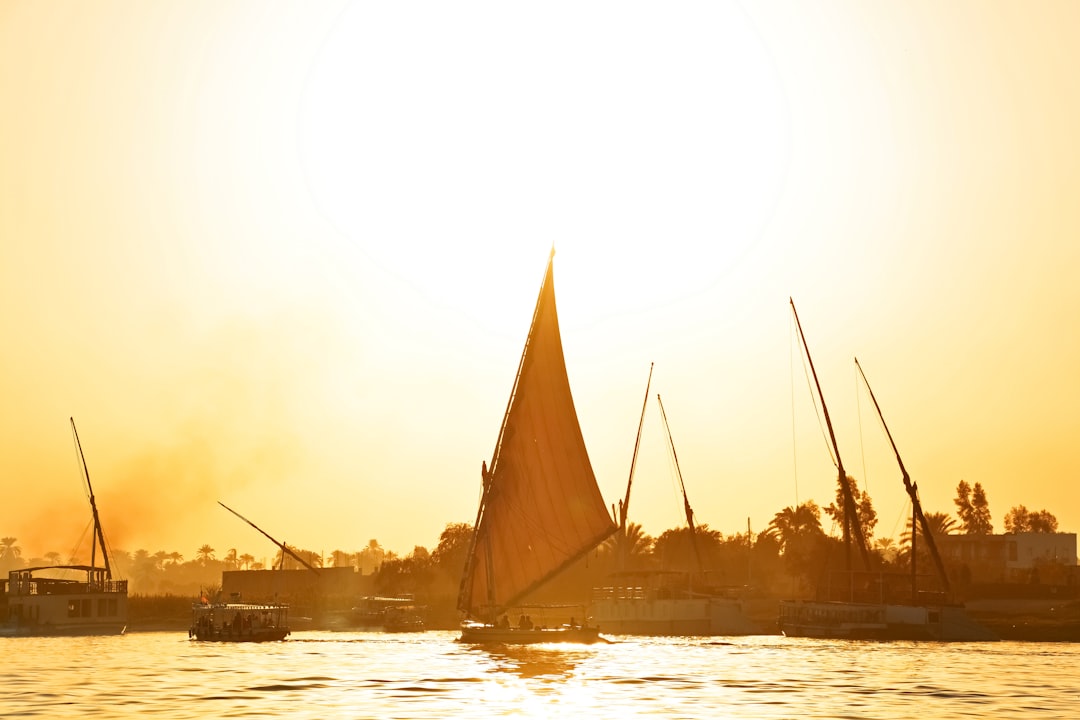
{"points": [[70, 599]]}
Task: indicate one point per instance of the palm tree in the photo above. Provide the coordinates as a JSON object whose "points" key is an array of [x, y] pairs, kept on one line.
{"points": [[230, 560], [629, 545], [204, 554], [939, 523], [175, 558], [372, 556], [8, 549], [887, 547], [794, 523], [340, 558], [246, 560], [53, 557]]}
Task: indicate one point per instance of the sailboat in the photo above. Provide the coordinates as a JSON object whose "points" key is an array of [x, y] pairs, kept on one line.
{"points": [[47, 600], [659, 602], [871, 604], [540, 507]]}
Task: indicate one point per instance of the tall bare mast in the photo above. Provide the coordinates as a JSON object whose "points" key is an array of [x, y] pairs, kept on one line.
{"points": [[916, 504], [98, 535], [284, 548], [851, 517], [624, 507], [686, 501]]}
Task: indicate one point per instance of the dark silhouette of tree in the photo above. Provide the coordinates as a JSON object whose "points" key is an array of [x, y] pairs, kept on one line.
{"points": [[340, 559], [864, 507], [1022, 520], [371, 556], [204, 554], [887, 548], [10, 553], [449, 555], [973, 509], [940, 524], [629, 546], [794, 524], [674, 549], [311, 557]]}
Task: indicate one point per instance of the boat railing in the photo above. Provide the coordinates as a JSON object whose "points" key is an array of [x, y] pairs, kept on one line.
{"points": [[882, 588], [619, 592]]}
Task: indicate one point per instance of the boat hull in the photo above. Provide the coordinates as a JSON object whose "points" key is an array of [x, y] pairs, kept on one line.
{"points": [[674, 616], [226, 635], [489, 634], [868, 621], [49, 630]]}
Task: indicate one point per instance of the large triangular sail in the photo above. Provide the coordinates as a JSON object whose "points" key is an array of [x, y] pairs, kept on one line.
{"points": [[541, 508]]}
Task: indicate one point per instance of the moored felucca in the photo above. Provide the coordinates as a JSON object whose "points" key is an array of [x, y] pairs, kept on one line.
{"points": [[870, 604], [540, 507], [667, 602], [66, 599]]}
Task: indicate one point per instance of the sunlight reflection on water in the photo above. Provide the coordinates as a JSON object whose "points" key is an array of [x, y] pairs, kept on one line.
{"points": [[429, 675]]}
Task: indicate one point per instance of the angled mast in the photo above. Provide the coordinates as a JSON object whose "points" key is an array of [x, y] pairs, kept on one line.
{"points": [[913, 492], [851, 517], [686, 501], [284, 548], [98, 534], [624, 506]]}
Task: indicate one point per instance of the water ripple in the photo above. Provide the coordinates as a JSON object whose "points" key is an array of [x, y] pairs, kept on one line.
{"points": [[353, 675]]}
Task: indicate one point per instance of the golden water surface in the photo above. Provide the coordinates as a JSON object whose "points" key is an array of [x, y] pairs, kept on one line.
{"points": [[429, 675]]}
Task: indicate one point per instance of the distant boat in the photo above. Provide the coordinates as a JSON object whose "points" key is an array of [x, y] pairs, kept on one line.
{"points": [[665, 602], [66, 599], [389, 614], [238, 621], [540, 507], [872, 604]]}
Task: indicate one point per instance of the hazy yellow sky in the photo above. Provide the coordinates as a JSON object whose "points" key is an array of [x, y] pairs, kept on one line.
{"points": [[285, 256]]}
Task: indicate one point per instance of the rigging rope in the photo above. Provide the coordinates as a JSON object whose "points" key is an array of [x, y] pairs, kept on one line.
{"points": [[817, 410], [862, 446], [794, 444]]}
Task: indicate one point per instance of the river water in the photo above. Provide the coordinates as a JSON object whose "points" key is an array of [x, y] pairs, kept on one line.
{"points": [[429, 675]]}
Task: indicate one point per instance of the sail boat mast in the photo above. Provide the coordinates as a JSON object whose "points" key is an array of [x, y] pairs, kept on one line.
{"points": [[625, 506], [851, 520], [284, 548], [686, 501], [98, 535], [913, 493]]}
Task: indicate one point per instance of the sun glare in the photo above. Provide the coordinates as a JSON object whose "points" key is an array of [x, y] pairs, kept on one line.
{"points": [[648, 146]]}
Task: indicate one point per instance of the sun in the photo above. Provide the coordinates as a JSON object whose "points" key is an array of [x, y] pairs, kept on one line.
{"points": [[453, 146]]}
